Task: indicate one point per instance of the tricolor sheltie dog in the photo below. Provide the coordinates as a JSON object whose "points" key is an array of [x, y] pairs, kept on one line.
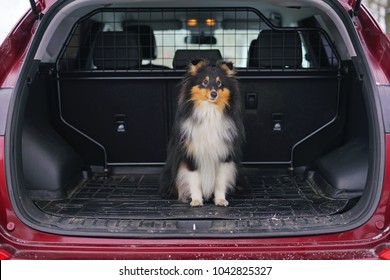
{"points": [[204, 149]]}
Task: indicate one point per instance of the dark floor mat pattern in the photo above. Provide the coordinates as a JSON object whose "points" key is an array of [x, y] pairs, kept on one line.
{"points": [[134, 197]]}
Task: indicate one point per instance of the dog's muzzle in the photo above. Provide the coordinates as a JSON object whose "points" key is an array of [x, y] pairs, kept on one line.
{"points": [[213, 95]]}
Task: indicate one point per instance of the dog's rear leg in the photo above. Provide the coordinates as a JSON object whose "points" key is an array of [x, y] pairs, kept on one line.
{"points": [[226, 179], [188, 186]]}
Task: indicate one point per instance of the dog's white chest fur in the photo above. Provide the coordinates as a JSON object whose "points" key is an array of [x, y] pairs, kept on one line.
{"points": [[208, 135]]}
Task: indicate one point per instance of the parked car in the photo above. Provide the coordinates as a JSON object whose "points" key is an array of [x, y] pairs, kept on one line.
{"points": [[88, 94]]}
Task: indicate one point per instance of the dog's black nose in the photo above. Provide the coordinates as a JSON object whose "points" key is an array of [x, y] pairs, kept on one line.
{"points": [[213, 94]]}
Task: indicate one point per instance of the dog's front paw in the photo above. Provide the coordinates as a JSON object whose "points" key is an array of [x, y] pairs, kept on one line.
{"points": [[196, 203], [221, 202]]}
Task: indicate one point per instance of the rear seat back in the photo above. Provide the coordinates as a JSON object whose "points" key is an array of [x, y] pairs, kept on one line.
{"points": [[117, 50], [274, 49], [148, 48], [146, 39], [183, 57]]}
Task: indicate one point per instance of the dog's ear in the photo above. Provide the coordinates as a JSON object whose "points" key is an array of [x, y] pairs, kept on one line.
{"points": [[227, 67], [195, 65]]}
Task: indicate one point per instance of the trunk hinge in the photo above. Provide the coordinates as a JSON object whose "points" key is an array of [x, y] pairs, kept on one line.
{"points": [[37, 14], [353, 13], [356, 10]]}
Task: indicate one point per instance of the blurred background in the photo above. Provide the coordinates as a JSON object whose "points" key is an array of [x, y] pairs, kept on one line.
{"points": [[380, 9], [12, 11]]}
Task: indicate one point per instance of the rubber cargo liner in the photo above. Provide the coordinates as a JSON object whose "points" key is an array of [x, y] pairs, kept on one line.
{"points": [[135, 197]]}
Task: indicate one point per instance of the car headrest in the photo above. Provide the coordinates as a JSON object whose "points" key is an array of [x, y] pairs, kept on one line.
{"points": [[183, 57], [146, 39], [276, 49], [117, 50]]}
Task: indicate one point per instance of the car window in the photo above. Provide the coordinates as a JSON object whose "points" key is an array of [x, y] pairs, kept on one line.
{"points": [[233, 44]]}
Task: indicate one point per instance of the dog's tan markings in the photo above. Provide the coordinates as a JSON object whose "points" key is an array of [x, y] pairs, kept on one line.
{"points": [[221, 202], [196, 202], [193, 69], [227, 69], [198, 95], [223, 98], [206, 81], [218, 81]]}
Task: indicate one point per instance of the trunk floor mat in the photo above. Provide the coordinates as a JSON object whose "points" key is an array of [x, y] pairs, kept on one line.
{"points": [[135, 197]]}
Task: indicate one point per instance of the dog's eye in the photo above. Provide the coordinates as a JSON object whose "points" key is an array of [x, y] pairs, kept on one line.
{"points": [[205, 82], [219, 83]]}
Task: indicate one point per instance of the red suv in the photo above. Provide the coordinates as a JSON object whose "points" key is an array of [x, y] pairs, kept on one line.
{"points": [[88, 95]]}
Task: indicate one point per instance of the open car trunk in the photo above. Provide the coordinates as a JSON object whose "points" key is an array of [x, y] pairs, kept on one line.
{"points": [[95, 117]]}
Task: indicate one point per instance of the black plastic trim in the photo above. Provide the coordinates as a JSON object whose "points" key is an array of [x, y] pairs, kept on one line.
{"points": [[5, 97], [384, 94]]}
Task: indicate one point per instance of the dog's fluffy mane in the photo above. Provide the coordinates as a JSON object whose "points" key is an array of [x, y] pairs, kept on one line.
{"points": [[189, 113]]}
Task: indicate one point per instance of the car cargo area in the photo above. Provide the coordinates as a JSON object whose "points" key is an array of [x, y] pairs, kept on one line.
{"points": [[267, 202], [98, 108]]}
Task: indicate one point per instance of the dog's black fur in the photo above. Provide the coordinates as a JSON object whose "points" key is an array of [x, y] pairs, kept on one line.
{"points": [[183, 154]]}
